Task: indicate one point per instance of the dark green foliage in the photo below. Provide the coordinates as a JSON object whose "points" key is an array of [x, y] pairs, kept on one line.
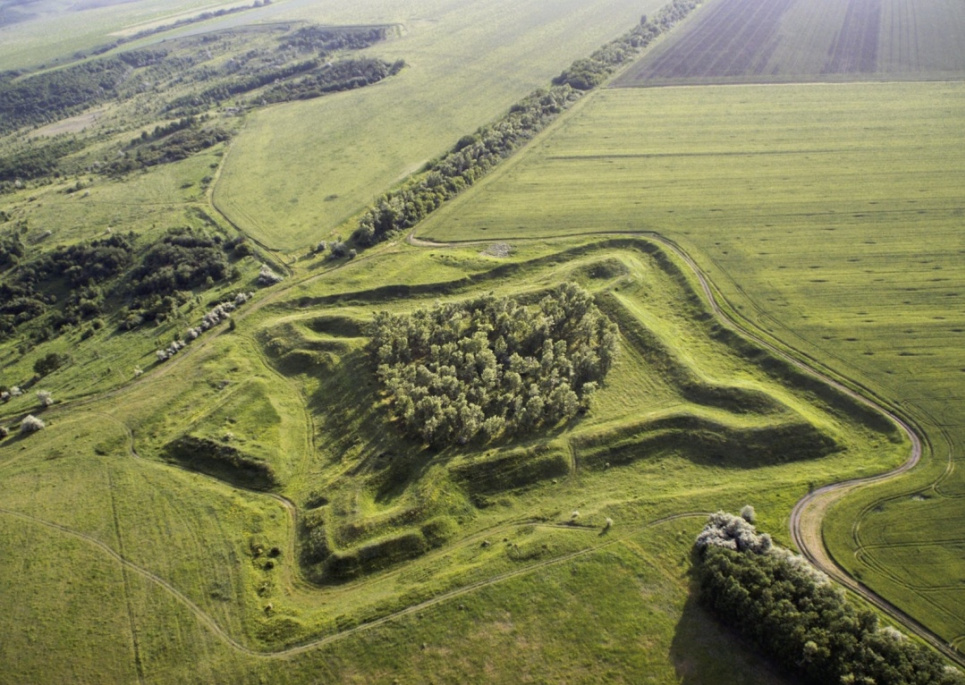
{"points": [[463, 166], [324, 40], [472, 157], [11, 249], [491, 365], [807, 626], [33, 292], [183, 259], [50, 363], [52, 95], [331, 78], [30, 289], [36, 161], [221, 461], [184, 142]]}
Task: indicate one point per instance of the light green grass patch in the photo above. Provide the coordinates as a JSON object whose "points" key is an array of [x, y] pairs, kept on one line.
{"points": [[320, 162]]}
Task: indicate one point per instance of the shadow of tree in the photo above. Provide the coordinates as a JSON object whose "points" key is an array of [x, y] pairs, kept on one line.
{"points": [[704, 652]]}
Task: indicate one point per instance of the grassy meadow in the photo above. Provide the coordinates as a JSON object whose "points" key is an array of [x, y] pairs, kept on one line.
{"points": [[291, 387], [320, 162], [175, 525], [829, 216]]}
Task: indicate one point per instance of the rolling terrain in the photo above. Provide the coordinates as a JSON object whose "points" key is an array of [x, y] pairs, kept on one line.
{"points": [[781, 262]]}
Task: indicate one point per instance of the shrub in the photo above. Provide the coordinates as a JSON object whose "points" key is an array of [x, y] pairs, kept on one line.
{"points": [[4, 431], [45, 398], [50, 363], [268, 277], [31, 424]]}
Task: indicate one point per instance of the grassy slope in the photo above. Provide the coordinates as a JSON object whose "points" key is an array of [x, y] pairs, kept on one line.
{"points": [[56, 28], [197, 534], [318, 162], [833, 224]]}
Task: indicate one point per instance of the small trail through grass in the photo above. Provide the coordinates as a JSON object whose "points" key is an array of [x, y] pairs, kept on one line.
{"points": [[217, 630], [808, 514]]}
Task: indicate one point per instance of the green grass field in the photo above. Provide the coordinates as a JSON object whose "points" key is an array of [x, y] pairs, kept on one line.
{"points": [[827, 216], [320, 162], [830, 224], [201, 601]]}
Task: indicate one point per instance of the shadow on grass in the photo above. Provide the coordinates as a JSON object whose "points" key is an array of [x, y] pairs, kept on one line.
{"points": [[704, 652]]}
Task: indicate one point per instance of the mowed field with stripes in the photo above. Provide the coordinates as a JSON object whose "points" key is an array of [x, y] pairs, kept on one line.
{"points": [[829, 212], [760, 41]]}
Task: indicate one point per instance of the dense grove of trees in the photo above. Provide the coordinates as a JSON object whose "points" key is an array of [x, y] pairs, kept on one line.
{"points": [[52, 95], [330, 78], [183, 259], [36, 161], [790, 610], [28, 292], [177, 146], [322, 40], [473, 156], [492, 366], [153, 284]]}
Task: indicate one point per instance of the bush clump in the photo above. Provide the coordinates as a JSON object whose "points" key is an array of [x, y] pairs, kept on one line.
{"points": [[492, 366], [790, 610], [31, 424]]}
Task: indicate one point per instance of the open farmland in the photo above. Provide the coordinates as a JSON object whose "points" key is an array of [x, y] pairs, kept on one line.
{"points": [[480, 451], [320, 162], [759, 41], [831, 216]]}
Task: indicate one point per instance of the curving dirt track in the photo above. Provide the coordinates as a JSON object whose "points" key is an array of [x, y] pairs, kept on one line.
{"points": [[217, 630], [808, 514]]}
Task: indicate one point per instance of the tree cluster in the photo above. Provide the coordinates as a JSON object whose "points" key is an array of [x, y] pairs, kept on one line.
{"points": [[474, 155], [55, 94], [334, 77], [31, 287], [492, 367], [153, 284], [781, 603], [589, 72], [177, 146], [471, 158], [182, 260], [36, 161], [324, 40]]}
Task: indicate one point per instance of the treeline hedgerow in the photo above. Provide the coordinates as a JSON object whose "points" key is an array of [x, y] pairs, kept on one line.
{"points": [[474, 155], [789, 609]]}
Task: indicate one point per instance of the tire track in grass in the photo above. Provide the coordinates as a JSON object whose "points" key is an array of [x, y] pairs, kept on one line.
{"points": [[138, 662], [807, 516], [310, 645]]}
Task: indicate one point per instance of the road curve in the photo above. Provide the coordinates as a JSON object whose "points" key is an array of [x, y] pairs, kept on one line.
{"points": [[807, 516]]}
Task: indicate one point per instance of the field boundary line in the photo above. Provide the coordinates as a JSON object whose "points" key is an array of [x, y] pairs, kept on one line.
{"points": [[807, 516]]}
